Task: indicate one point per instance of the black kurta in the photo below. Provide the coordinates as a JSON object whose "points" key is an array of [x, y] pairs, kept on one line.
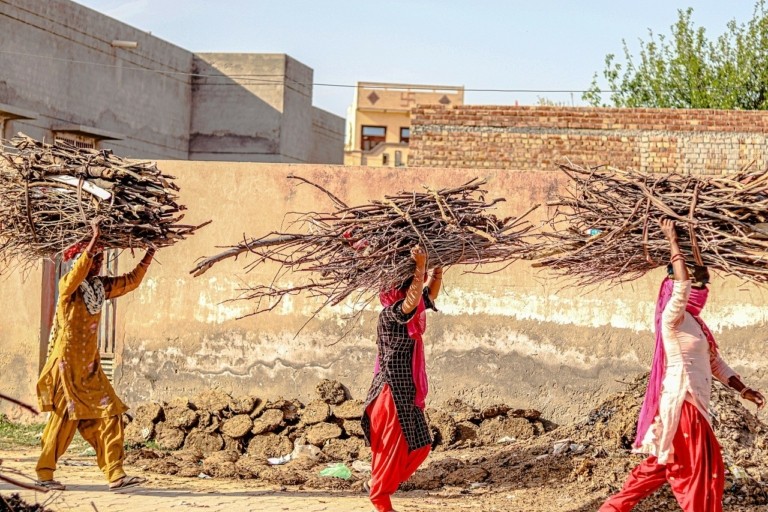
{"points": [[395, 368]]}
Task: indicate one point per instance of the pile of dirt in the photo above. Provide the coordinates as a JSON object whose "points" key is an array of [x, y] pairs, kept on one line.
{"points": [[594, 457], [608, 432], [490, 449], [14, 503], [218, 435]]}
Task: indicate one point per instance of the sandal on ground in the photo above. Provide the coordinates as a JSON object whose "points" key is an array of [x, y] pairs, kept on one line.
{"points": [[127, 481], [52, 485]]}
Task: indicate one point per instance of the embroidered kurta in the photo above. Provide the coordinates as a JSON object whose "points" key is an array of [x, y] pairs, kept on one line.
{"points": [[74, 361], [396, 355], [689, 367]]}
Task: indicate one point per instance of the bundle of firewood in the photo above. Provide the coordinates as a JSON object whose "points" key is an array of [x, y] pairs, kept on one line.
{"points": [[605, 228], [360, 250], [50, 193]]}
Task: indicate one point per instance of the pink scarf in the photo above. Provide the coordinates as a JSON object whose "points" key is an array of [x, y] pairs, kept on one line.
{"points": [[416, 327], [696, 302]]}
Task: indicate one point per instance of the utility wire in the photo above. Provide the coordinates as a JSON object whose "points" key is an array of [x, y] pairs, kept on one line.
{"points": [[263, 78]]}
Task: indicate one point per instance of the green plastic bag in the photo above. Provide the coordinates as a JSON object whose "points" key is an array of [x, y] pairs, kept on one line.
{"points": [[337, 471]]}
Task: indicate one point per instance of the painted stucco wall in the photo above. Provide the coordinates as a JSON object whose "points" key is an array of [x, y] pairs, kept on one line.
{"points": [[510, 336], [59, 72], [58, 62], [19, 337], [235, 113], [327, 137]]}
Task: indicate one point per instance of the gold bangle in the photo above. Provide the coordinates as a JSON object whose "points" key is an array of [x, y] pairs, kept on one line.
{"points": [[744, 391]]}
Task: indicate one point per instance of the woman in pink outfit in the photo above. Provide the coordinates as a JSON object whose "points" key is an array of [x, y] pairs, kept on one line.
{"points": [[674, 425]]}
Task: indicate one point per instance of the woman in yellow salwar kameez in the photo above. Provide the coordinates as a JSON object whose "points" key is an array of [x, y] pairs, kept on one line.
{"points": [[73, 386]]}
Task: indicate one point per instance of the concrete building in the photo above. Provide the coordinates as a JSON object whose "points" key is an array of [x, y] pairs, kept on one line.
{"points": [[378, 121], [69, 72]]}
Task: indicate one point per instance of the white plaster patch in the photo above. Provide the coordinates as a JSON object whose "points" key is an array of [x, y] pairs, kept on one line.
{"points": [[582, 311], [609, 308], [509, 341], [210, 310], [735, 315], [147, 290], [286, 306], [591, 311]]}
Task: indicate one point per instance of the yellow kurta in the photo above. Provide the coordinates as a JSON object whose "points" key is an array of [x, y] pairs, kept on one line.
{"points": [[74, 363]]}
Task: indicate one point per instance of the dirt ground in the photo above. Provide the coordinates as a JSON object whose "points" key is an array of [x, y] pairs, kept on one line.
{"points": [[488, 460], [542, 491]]}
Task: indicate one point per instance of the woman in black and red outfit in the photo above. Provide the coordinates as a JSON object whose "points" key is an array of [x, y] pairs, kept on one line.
{"points": [[394, 421]]}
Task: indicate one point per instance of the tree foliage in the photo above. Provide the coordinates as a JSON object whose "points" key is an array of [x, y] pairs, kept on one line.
{"points": [[687, 70]]}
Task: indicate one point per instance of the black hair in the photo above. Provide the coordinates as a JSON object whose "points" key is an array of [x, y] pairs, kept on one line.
{"points": [[701, 274], [698, 273], [406, 284]]}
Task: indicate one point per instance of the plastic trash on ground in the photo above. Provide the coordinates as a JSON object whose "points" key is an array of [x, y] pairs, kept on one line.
{"points": [[339, 470], [361, 466], [738, 473], [306, 450], [300, 450], [561, 446], [276, 461]]}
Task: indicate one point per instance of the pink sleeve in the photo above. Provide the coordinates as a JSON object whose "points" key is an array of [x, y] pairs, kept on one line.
{"points": [[720, 369], [675, 308]]}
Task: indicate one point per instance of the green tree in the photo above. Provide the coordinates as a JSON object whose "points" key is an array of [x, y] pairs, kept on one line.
{"points": [[687, 70]]}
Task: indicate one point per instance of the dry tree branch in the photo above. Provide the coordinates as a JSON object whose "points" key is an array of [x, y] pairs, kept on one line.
{"points": [[353, 252], [49, 194], [605, 225]]}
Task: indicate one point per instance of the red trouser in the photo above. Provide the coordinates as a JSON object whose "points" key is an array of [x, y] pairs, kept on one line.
{"points": [[393, 463], [696, 473]]}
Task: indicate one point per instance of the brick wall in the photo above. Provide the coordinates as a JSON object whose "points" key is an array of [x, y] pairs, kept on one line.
{"points": [[535, 138]]}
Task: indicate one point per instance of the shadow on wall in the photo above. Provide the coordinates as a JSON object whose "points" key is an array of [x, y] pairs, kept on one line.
{"points": [[228, 119]]}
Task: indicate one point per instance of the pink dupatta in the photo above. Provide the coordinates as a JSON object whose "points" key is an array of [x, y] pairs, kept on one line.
{"points": [[696, 302]]}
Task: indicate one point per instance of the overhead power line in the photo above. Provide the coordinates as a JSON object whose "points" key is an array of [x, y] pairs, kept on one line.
{"points": [[256, 79]]}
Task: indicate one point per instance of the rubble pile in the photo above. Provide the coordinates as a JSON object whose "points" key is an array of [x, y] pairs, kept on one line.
{"points": [[476, 450], [285, 441], [593, 457], [609, 431]]}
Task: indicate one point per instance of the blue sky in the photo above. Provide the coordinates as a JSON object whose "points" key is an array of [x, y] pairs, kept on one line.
{"points": [[483, 44]]}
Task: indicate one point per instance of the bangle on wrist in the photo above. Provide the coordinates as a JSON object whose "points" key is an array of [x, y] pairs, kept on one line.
{"points": [[745, 391], [677, 257]]}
